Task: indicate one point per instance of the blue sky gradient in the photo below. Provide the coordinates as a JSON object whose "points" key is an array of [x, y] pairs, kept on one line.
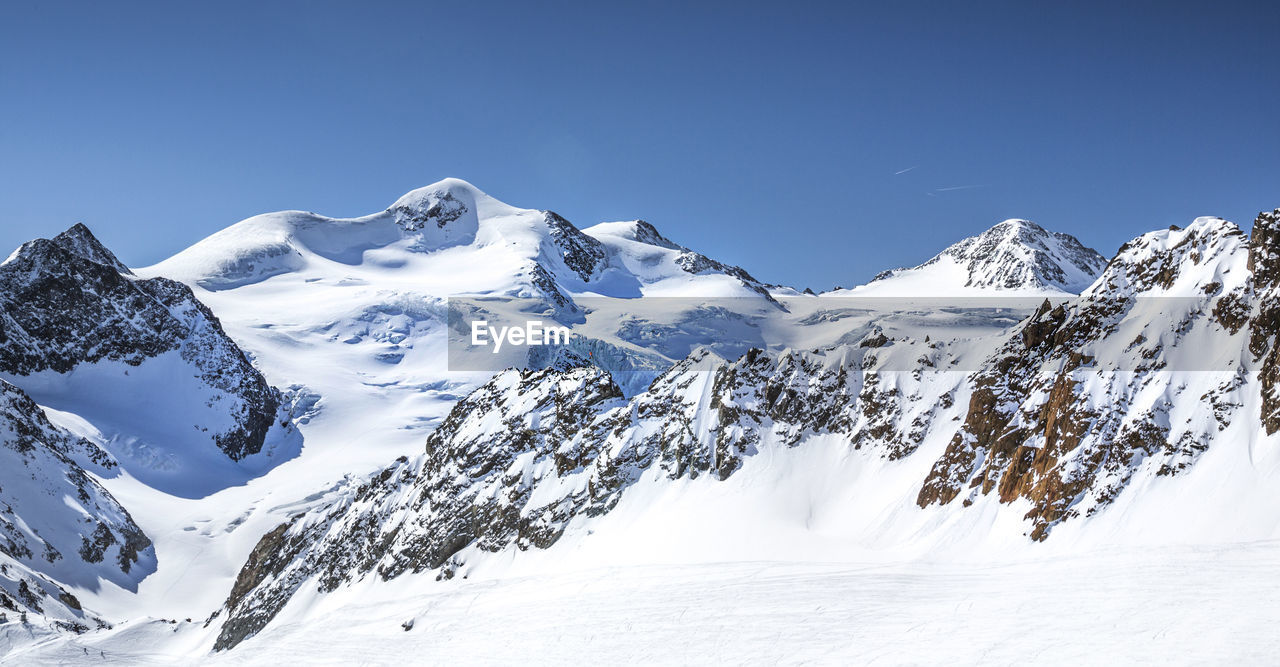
{"points": [[814, 144]]}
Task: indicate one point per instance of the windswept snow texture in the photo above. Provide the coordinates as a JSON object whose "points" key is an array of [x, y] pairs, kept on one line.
{"points": [[1136, 605], [1015, 256]]}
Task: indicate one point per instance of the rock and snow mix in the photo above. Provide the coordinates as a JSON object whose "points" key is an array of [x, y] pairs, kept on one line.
{"points": [[59, 527], [780, 427], [1015, 256]]}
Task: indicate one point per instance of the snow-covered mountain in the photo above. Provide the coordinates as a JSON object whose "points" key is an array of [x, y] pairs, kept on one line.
{"points": [[108, 379], [82, 334], [58, 526], [449, 238], [1118, 412], [778, 427], [1013, 257], [379, 287]]}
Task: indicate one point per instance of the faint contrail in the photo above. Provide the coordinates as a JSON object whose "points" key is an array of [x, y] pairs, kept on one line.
{"points": [[903, 171], [961, 187]]}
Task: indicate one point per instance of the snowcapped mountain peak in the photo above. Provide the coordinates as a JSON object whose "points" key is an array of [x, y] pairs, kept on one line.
{"points": [[448, 214], [639, 231], [1206, 227], [445, 212], [450, 238], [1179, 262], [1017, 224], [78, 240], [1019, 254], [638, 240], [1015, 256], [454, 187]]}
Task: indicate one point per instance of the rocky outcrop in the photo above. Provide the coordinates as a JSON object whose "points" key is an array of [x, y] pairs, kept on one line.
{"points": [[472, 488], [58, 525], [69, 301], [582, 254], [1063, 416], [1067, 411], [1017, 255], [1264, 264], [439, 211], [518, 459]]}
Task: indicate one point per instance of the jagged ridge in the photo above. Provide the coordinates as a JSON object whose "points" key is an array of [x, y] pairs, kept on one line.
{"points": [[69, 301], [1072, 408]]}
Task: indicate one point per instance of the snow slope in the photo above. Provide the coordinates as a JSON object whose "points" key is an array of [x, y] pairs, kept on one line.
{"points": [[1174, 605], [59, 528]]}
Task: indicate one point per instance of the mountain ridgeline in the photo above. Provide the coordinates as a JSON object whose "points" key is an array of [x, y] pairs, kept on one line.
{"points": [[80, 332], [68, 301], [1077, 398], [1013, 255], [1078, 407]]}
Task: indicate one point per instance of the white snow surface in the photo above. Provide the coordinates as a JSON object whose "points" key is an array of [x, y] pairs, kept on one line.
{"points": [[1117, 606], [809, 554]]}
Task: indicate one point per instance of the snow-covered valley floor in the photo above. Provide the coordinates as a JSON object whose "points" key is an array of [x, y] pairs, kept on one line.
{"points": [[1173, 604]]}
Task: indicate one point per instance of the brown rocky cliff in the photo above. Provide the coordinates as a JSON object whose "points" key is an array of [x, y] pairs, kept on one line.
{"points": [[1264, 263]]}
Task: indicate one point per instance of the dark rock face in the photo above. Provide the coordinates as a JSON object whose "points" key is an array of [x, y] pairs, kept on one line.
{"points": [[444, 210], [1264, 263], [1264, 249], [544, 282], [1034, 432], [69, 301], [584, 255], [647, 233], [79, 241], [60, 309], [269, 558]]}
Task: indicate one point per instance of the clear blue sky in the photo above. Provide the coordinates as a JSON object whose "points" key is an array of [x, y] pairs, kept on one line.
{"points": [[765, 135]]}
